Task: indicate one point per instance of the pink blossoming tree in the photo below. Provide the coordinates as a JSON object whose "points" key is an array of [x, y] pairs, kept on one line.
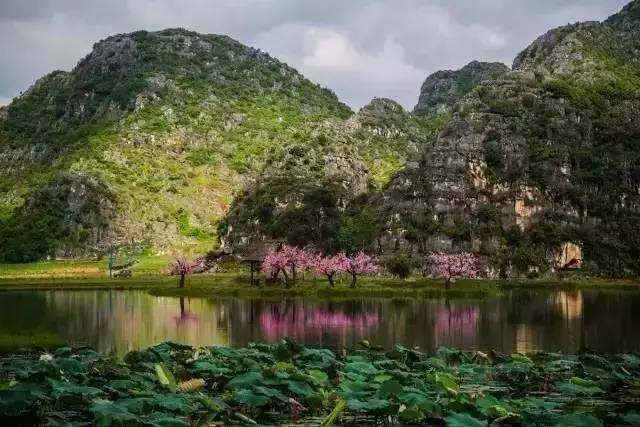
{"points": [[451, 266], [183, 266], [274, 263], [360, 264], [289, 260], [330, 266], [298, 260]]}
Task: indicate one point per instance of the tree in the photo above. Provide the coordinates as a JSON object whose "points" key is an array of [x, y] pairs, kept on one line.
{"points": [[330, 266], [295, 260], [399, 266], [360, 264], [182, 266], [451, 266], [275, 262], [289, 260]]}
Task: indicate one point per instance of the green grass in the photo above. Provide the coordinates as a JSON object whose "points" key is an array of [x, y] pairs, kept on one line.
{"points": [[148, 265], [238, 286], [150, 274]]}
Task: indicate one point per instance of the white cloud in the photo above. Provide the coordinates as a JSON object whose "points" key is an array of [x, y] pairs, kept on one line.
{"points": [[358, 48], [359, 74], [330, 50]]}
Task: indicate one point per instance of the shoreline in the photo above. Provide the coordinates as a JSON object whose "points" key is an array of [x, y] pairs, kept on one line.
{"points": [[236, 285]]}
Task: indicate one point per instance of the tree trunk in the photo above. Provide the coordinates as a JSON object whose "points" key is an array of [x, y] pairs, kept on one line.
{"points": [[330, 277], [286, 278], [353, 280], [293, 275], [447, 283], [182, 277]]}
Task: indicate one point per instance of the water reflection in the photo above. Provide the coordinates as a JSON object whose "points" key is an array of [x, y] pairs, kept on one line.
{"points": [[456, 324], [119, 321], [302, 322]]}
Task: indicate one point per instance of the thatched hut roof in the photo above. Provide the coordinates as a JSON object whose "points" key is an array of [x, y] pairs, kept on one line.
{"points": [[257, 251]]}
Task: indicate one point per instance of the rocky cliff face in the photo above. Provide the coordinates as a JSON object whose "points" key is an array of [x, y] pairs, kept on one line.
{"points": [[534, 161], [72, 214], [442, 89]]}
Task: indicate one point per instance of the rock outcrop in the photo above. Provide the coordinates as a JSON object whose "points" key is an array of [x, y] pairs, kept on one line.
{"points": [[442, 89], [538, 157], [569, 257]]}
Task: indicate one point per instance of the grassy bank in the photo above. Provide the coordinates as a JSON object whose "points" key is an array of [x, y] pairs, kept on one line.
{"points": [[147, 266], [150, 274], [318, 288]]}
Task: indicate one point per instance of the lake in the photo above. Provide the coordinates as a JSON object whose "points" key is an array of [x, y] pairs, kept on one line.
{"points": [[119, 321]]}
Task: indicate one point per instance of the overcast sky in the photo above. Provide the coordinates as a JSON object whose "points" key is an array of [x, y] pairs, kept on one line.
{"points": [[359, 48]]}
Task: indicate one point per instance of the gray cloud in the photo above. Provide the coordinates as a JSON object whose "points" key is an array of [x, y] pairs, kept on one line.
{"points": [[358, 48]]}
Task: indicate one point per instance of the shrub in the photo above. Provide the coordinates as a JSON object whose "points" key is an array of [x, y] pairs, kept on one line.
{"points": [[399, 266]]}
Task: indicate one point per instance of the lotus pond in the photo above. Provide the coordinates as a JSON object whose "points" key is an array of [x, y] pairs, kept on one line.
{"points": [[288, 384], [92, 360]]}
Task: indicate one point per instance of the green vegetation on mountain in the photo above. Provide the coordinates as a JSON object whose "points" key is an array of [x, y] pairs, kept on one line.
{"points": [[323, 194], [442, 89], [167, 123]]}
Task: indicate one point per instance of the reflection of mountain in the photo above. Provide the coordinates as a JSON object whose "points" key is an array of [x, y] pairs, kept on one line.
{"points": [[524, 339], [120, 321], [20, 310], [569, 303]]}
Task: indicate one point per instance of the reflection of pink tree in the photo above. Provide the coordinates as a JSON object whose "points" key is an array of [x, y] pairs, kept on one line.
{"points": [[360, 264], [182, 266], [299, 322], [185, 317], [451, 266], [458, 320], [330, 266]]}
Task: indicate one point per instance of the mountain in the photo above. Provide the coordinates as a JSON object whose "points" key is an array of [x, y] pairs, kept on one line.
{"points": [[442, 89], [176, 138], [534, 169], [538, 162], [146, 141], [320, 192]]}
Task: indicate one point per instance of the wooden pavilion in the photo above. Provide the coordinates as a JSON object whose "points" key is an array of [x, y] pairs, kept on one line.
{"points": [[254, 256]]}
